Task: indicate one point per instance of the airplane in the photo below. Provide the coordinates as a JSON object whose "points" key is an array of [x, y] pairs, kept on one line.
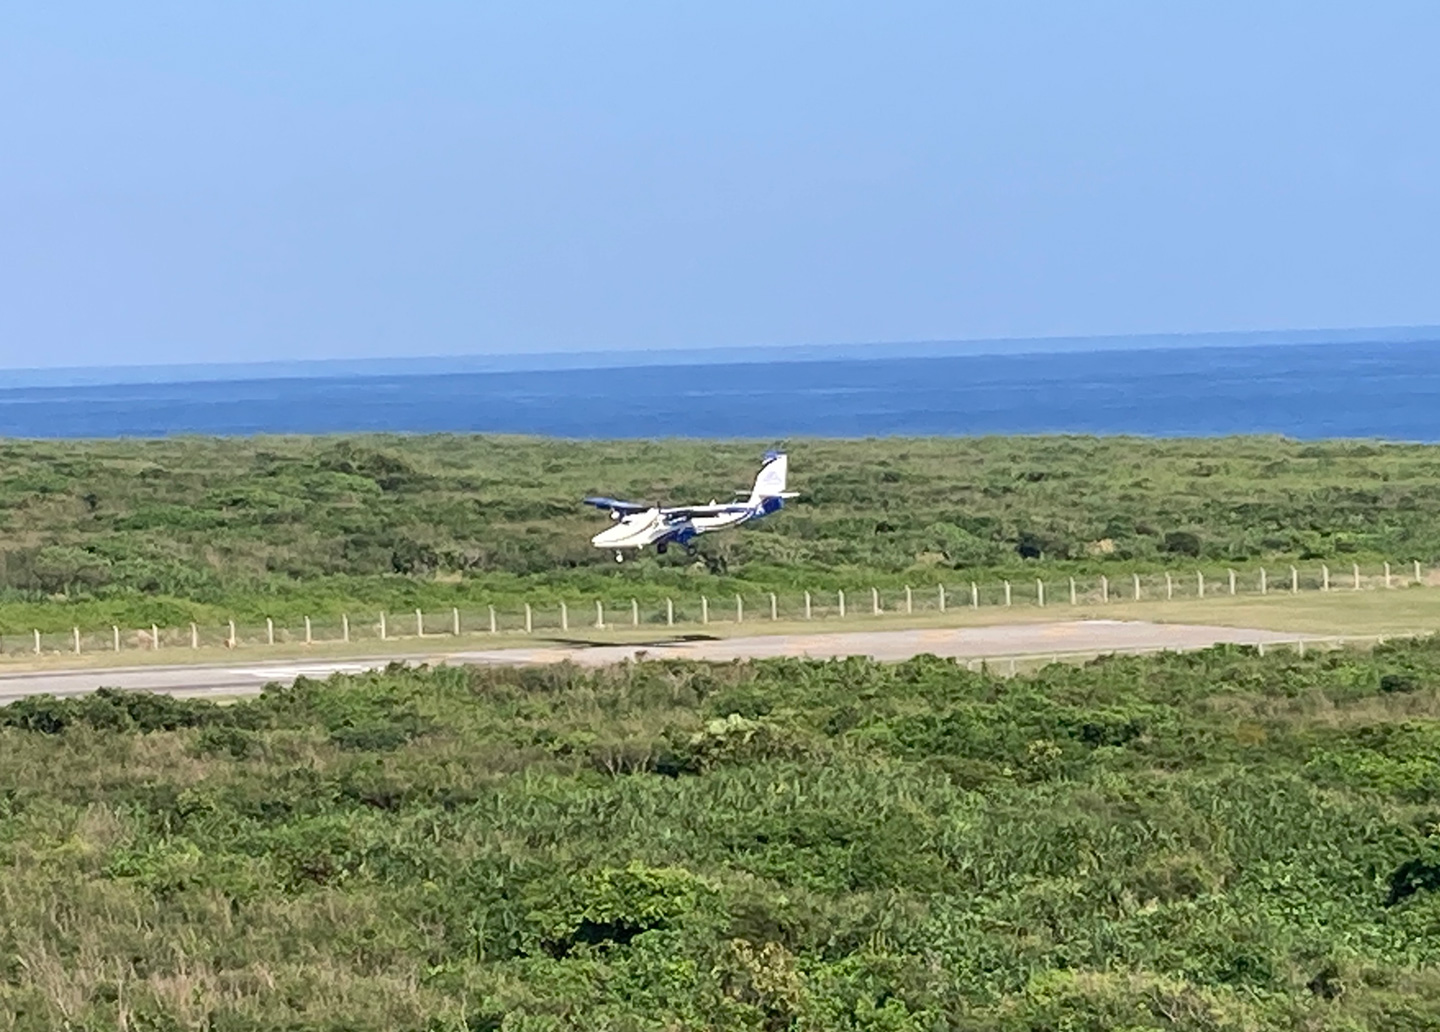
{"points": [[638, 525]]}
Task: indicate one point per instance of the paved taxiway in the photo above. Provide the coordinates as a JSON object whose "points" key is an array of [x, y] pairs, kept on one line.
{"points": [[241, 678]]}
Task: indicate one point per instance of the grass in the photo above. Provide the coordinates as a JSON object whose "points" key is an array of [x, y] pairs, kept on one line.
{"points": [[169, 531], [1213, 841], [1399, 612]]}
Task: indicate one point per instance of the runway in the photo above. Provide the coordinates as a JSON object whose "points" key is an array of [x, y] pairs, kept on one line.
{"points": [[1081, 636]]}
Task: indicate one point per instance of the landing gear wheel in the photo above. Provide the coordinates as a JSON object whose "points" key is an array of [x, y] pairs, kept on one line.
{"points": [[662, 548], [619, 557]]}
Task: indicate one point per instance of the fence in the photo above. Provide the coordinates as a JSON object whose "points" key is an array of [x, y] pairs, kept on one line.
{"points": [[553, 617]]}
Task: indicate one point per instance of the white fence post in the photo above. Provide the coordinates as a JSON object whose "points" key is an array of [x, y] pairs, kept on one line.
{"points": [[154, 637], [455, 620], [383, 634], [564, 617], [1137, 586], [345, 627], [1294, 581], [1324, 577], [233, 642], [1418, 578], [194, 637], [1356, 570], [115, 637], [634, 612], [1199, 584], [77, 641], [1104, 588], [974, 595], [704, 610], [1169, 587], [874, 601], [1232, 582], [1387, 576], [529, 619], [1073, 599], [669, 612], [909, 601], [1039, 592], [840, 595], [774, 608], [269, 631], [1007, 592], [807, 605], [739, 609], [491, 612], [942, 598], [309, 639], [37, 641], [419, 624], [599, 615], [1264, 587]]}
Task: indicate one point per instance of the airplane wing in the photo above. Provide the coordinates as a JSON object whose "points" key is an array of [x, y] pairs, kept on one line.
{"points": [[688, 511], [615, 505]]}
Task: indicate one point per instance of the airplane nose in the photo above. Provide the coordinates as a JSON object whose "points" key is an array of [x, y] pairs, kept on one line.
{"points": [[608, 536]]}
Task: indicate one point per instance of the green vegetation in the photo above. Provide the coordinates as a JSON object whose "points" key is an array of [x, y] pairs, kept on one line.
{"points": [[166, 531], [1212, 841]]}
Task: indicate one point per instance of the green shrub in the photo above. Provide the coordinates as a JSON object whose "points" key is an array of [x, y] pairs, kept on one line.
{"points": [[170, 531], [607, 907], [1216, 840]]}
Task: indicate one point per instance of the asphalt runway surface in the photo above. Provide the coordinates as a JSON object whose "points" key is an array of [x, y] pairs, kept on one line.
{"points": [[1081, 636]]}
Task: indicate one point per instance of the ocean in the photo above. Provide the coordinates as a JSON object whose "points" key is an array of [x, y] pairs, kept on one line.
{"points": [[1378, 390]]}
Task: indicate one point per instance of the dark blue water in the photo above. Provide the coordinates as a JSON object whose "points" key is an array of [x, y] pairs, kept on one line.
{"points": [[1353, 390]]}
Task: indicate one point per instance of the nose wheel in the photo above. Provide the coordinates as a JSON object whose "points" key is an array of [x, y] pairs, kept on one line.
{"points": [[619, 557]]}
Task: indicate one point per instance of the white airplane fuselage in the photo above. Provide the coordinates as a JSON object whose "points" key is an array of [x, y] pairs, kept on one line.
{"points": [[635, 527], [634, 531], [646, 528]]}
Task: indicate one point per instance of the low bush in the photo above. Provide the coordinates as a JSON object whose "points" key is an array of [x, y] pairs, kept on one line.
{"points": [[1215, 840], [131, 533]]}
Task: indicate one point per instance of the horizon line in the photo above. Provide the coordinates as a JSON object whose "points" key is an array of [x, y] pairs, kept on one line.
{"points": [[600, 358]]}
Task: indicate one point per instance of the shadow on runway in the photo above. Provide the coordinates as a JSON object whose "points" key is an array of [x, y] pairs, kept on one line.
{"points": [[587, 643]]}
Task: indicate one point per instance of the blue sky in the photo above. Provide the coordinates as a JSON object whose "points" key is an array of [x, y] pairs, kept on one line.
{"points": [[262, 181]]}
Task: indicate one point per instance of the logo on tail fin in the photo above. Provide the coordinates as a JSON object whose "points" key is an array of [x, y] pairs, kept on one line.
{"points": [[771, 481]]}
